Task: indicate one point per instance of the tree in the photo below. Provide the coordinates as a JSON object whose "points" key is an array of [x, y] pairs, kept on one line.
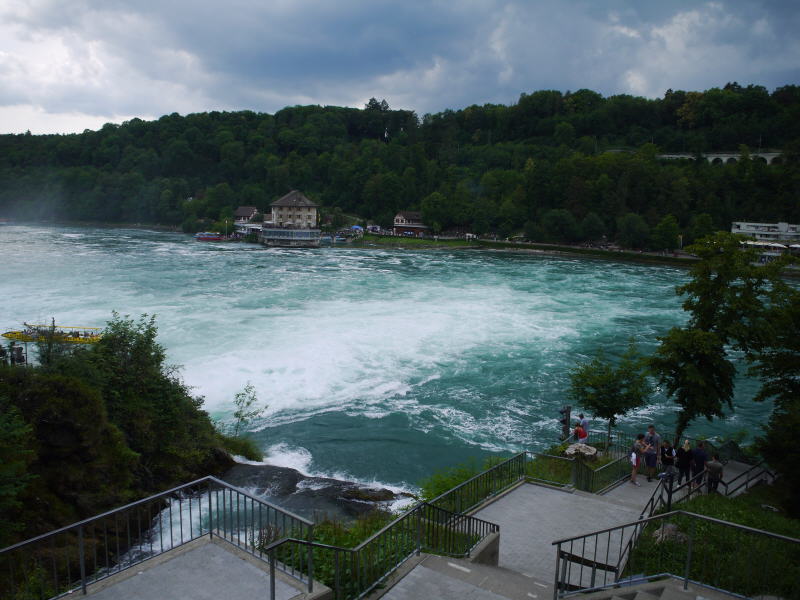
{"points": [[609, 390], [247, 409], [564, 134], [693, 366], [632, 231], [728, 292], [146, 398], [777, 358], [435, 211], [559, 225], [592, 227], [81, 461], [16, 454], [700, 226], [665, 234], [778, 447]]}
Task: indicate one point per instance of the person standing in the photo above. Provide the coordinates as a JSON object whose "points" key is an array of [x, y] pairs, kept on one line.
{"points": [[580, 433], [668, 458], [638, 449], [714, 470], [683, 460], [584, 423], [653, 441], [699, 459]]}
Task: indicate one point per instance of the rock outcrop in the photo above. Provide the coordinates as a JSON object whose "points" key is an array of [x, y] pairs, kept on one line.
{"points": [[315, 498]]}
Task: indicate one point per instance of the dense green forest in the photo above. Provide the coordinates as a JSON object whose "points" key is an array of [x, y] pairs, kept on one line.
{"points": [[88, 429], [556, 166]]}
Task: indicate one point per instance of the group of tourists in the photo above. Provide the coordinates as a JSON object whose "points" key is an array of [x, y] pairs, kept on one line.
{"points": [[690, 464]]}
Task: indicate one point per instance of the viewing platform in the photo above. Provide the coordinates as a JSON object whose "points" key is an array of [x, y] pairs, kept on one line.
{"points": [[201, 570], [506, 533]]}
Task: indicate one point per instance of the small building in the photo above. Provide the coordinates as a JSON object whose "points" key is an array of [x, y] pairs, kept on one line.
{"points": [[409, 223], [768, 232], [245, 214], [293, 223], [294, 210]]}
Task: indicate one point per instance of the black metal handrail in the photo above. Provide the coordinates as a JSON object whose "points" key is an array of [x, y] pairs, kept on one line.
{"points": [[760, 467], [355, 572], [475, 490], [73, 557], [600, 557]]}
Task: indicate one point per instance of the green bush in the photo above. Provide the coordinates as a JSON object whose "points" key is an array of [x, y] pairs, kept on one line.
{"points": [[241, 446], [446, 479]]}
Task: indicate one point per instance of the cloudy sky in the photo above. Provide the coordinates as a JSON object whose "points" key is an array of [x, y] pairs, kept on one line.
{"points": [[69, 65]]}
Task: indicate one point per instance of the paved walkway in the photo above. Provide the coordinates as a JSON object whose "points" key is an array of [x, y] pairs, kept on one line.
{"points": [[207, 572], [531, 517]]}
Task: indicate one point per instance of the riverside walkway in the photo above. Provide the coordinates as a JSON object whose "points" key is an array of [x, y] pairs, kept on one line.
{"points": [[530, 517]]}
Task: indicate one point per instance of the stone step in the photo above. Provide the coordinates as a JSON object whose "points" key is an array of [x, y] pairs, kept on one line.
{"points": [[670, 588], [499, 580], [456, 579]]}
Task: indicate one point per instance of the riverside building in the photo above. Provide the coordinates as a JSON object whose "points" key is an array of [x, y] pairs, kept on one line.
{"points": [[768, 232], [293, 222]]}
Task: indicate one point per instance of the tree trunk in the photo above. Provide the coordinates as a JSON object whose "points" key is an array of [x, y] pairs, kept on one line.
{"points": [[680, 427]]}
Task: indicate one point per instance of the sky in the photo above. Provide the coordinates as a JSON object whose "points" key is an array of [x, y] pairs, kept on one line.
{"points": [[70, 65]]}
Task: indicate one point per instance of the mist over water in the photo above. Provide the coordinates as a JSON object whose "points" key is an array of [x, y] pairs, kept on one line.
{"points": [[377, 365]]}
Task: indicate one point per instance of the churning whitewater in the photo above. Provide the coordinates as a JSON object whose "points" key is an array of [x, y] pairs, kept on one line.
{"points": [[377, 365]]}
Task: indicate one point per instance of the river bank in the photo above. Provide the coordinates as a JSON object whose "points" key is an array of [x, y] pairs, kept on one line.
{"points": [[370, 240]]}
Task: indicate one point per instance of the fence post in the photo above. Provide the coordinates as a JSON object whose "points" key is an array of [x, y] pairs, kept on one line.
{"points": [[82, 559], [688, 558], [272, 574], [210, 517], [670, 481], [310, 559], [555, 583], [336, 575], [419, 528]]}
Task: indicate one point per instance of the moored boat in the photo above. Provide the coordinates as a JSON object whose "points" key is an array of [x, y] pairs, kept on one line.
{"points": [[208, 236], [58, 333]]}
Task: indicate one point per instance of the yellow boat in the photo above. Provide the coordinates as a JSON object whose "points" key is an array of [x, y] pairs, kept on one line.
{"points": [[59, 333]]}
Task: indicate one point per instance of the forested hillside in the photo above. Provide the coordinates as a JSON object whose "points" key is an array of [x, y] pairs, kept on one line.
{"points": [[558, 166]]}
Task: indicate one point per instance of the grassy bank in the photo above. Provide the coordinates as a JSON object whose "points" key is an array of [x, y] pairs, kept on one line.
{"points": [[732, 559], [388, 241], [616, 255]]}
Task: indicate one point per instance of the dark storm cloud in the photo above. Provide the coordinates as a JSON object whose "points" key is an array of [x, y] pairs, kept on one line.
{"points": [[116, 58]]}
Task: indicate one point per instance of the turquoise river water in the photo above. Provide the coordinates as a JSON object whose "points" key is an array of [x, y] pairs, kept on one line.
{"points": [[377, 365]]}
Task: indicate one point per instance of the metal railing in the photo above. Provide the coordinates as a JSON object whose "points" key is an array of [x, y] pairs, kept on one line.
{"points": [[496, 479], [355, 572], [755, 473], [599, 480], [69, 559], [692, 547], [552, 470]]}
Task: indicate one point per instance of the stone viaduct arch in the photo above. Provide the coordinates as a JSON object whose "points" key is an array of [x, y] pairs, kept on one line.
{"points": [[727, 158]]}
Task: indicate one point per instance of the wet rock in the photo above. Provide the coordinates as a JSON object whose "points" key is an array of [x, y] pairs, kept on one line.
{"points": [[314, 498]]}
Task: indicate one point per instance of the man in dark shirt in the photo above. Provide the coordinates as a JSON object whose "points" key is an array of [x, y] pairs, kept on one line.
{"points": [[653, 440], [714, 469], [699, 458]]}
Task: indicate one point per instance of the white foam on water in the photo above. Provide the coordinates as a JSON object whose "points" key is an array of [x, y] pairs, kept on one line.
{"points": [[300, 459]]}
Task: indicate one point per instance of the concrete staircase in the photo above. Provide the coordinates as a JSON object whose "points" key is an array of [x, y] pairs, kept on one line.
{"points": [[668, 588], [441, 577]]}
